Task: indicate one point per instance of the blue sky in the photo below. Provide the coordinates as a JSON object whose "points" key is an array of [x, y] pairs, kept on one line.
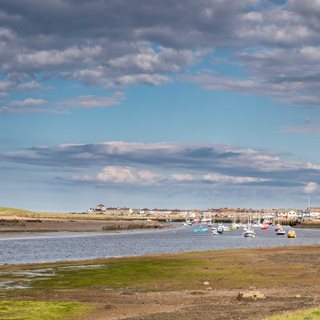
{"points": [[159, 104]]}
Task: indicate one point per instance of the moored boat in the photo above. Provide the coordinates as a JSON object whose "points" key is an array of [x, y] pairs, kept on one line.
{"points": [[200, 229], [278, 227], [292, 234], [249, 234], [220, 229], [233, 227], [281, 232], [214, 231]]}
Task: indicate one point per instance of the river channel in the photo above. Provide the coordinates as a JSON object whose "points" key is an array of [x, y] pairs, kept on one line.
{"points": [[67, 246]]}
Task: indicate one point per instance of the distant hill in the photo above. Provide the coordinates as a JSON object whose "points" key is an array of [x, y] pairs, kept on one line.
{"points": [[13, 212]]}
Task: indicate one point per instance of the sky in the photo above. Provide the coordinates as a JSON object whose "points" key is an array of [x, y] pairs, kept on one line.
{"points": [[159, 104]]}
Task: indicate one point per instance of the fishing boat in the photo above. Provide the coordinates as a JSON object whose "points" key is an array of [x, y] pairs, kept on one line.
{"points": [[292, 234], [281, 232]]}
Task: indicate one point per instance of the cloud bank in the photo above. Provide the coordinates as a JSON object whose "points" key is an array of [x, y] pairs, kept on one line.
{"points": [[163, 164], [114, 44]]}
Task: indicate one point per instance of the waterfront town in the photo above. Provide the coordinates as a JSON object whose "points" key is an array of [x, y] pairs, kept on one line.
{"points": [[210, 213]]}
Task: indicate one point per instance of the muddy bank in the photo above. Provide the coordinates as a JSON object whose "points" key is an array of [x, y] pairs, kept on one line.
{"points": [[308, 225], [55, 225]]}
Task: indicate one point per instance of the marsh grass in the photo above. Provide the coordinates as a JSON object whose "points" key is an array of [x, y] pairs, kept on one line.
{"points": [[41, 310], [311, 314], [177, 272]]}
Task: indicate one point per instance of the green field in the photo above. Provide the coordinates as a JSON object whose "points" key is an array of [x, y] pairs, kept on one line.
{"points": [[312, 314], [41, 310]]}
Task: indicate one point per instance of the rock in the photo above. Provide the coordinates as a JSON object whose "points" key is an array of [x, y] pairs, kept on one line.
{"points": [[297, 296], [250, 295], [206, 283]]}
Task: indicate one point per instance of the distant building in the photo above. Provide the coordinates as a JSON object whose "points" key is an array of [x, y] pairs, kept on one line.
{"points": [[100, 208]]}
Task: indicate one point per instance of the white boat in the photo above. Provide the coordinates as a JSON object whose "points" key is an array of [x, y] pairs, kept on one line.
{"points": [[281, 232], [214, 231], [225, 228], [220, 229], [249, 233]]}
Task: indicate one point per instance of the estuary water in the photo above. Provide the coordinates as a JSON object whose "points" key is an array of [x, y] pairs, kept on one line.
{"points": [[66, 246]]}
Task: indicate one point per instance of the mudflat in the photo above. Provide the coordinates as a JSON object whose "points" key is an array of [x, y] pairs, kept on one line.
{"points": [[9, 225], [186, 286]]}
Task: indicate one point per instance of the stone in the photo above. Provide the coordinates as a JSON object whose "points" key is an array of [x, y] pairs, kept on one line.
{"points": [[250, 295]]}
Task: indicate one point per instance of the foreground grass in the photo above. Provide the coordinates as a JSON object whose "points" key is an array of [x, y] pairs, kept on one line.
{"points": [[40, 310], [232, 269], [293, 270], [313, 314]]}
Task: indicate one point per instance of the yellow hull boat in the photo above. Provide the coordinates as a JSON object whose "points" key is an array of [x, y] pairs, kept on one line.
{"points": [[292, 234]]}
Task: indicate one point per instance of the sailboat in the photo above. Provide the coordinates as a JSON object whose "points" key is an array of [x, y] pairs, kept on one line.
{"points": [[249, 232]]}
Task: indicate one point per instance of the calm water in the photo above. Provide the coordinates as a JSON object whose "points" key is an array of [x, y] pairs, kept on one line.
{"points": [[57, 247]]}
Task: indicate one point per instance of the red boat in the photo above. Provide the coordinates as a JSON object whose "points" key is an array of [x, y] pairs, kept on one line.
{"points": [[277, 228], [265, 227]]}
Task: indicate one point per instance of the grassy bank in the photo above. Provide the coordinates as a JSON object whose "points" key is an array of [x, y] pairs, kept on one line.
{"points": [[41, 310], [313, 314], [14, 213], [222, 269]]}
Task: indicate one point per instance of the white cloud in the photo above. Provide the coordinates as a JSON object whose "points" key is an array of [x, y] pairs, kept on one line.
{"points": [[310, 187], [220, 178], [30, 102], [51, 58], [182, 177], [152, 79], [122, 175], [6, 85], [32, 85], [89, 102]]}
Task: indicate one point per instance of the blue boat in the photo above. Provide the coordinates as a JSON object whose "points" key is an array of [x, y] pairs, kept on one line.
{"points": [[200, 229]]}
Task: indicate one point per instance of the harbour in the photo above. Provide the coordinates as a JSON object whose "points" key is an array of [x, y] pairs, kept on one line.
{"points": [[68, 246]]}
